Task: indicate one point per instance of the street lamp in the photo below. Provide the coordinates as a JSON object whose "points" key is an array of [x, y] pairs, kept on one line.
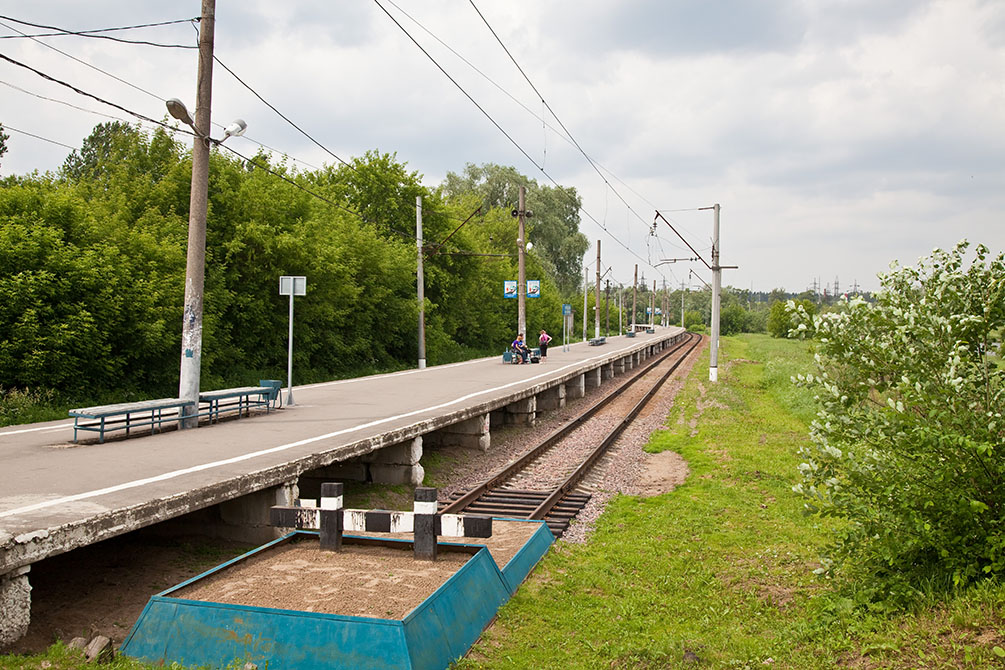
{"points": [[178, 110]]}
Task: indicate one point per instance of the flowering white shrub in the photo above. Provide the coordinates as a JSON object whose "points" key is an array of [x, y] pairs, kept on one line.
{"points": [[908, 444]]}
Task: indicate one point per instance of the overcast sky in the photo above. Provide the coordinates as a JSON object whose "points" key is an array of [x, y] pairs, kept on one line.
{"points": [[837, 136]]}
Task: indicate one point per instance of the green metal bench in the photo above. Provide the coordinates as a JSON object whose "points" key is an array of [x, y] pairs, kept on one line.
{"points": [[241, 400], [597, 341], [128, 415]]}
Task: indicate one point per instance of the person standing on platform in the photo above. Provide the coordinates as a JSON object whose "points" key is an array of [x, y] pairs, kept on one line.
{"points": [[542, 341], [520, 349]]}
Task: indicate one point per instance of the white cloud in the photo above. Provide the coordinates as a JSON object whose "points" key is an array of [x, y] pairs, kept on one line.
{"points": [[836, 135]]}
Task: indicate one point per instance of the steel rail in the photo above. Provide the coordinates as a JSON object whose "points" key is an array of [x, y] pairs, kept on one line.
{"points": [[563, 430], [573, 480]]}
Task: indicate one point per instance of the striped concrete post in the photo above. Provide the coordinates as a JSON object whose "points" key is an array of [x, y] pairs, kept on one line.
{"points": [[425, 523], [331, 517]]}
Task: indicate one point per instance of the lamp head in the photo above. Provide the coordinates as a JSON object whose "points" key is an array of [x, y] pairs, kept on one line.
{"points": [[235, 129], [177, 109]]}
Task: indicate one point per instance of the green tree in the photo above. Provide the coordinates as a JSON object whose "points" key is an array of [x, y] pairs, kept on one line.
{"points": [[907, 445], [554, 228]]}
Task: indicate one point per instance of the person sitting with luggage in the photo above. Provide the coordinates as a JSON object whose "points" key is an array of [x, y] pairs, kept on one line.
{"points": [[520, 349]]}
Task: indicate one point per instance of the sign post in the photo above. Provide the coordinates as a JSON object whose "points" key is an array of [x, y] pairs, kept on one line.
{"points": [[566, 317], [291, 286]]}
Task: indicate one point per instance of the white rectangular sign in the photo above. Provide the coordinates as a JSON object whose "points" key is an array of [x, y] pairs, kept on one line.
{"points": [[292, 285]]}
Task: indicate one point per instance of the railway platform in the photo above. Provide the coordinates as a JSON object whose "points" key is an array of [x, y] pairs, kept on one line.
{"points": [[56, 496]]}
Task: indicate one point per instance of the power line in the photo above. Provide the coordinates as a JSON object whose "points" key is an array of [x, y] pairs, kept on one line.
{"points": [[92, 33], [552, 111], [539, 117], [37, 137], [85, 63], [283, 116], [90, 95], [503, 131]]}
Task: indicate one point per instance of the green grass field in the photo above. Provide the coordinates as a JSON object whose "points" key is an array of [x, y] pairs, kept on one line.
{"points": [[719, 572]]}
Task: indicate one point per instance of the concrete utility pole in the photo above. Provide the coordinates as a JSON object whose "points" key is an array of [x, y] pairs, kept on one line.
{"points": [[596, 301], [713, 364], [652, 306], [635, 295], [195, 265], [521, 278], [420, 283], [586, 293], [681, 303], [607, 306], [620, 309]]}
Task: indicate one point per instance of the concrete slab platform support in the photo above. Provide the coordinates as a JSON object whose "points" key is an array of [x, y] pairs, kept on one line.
{"points": [[352, 470], [473, 433], [551, 399], [397, 464], [592, 378], [575, 387], [606, 371], [246, 519], [636, 359], [522, 412], [619, 366], [15, 605]]}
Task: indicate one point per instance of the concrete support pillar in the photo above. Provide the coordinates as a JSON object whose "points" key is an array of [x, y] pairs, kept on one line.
{"points": [[522, 412], [15, 605], [473, 433], [575, 387], [619, 366], [592, 378], [636, 360], [551, 399], [606, 371], [397, 464], [246, 519]]}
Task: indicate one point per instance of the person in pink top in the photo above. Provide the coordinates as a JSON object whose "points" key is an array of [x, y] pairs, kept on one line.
{"points": [[542, 341]]}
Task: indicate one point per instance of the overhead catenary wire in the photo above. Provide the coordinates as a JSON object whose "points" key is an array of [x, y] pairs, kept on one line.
{"points": [[540, 117], [503, 131], [552, 111]]}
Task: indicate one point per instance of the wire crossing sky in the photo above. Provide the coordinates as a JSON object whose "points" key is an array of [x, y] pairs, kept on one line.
{"points": [[837, 137]]}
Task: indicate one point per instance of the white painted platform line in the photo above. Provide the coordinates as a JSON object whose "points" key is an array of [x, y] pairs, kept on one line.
{"points": [[283, 447], [36, 430]]}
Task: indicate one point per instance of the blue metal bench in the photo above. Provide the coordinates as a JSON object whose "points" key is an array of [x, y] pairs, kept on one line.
{"points": [[127, 415], [597, 341], [241, 399]]}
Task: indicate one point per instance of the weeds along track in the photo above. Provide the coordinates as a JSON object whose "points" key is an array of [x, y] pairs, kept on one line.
{"points": [[552, 480]]}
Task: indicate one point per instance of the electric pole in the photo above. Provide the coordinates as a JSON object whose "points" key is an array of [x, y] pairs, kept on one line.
{"points": [[420, 281], [521, 279], [635, 295], [586, 294], [607, 304], [195, 262], [596, 299], [681, 303], [713, 365]]}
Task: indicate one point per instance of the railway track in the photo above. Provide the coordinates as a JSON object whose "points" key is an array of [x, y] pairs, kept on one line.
{"points": [[551, 481]]}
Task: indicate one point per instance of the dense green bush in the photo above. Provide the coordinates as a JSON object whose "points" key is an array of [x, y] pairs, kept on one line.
{"points": [[92, 270], [907, 447]]}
